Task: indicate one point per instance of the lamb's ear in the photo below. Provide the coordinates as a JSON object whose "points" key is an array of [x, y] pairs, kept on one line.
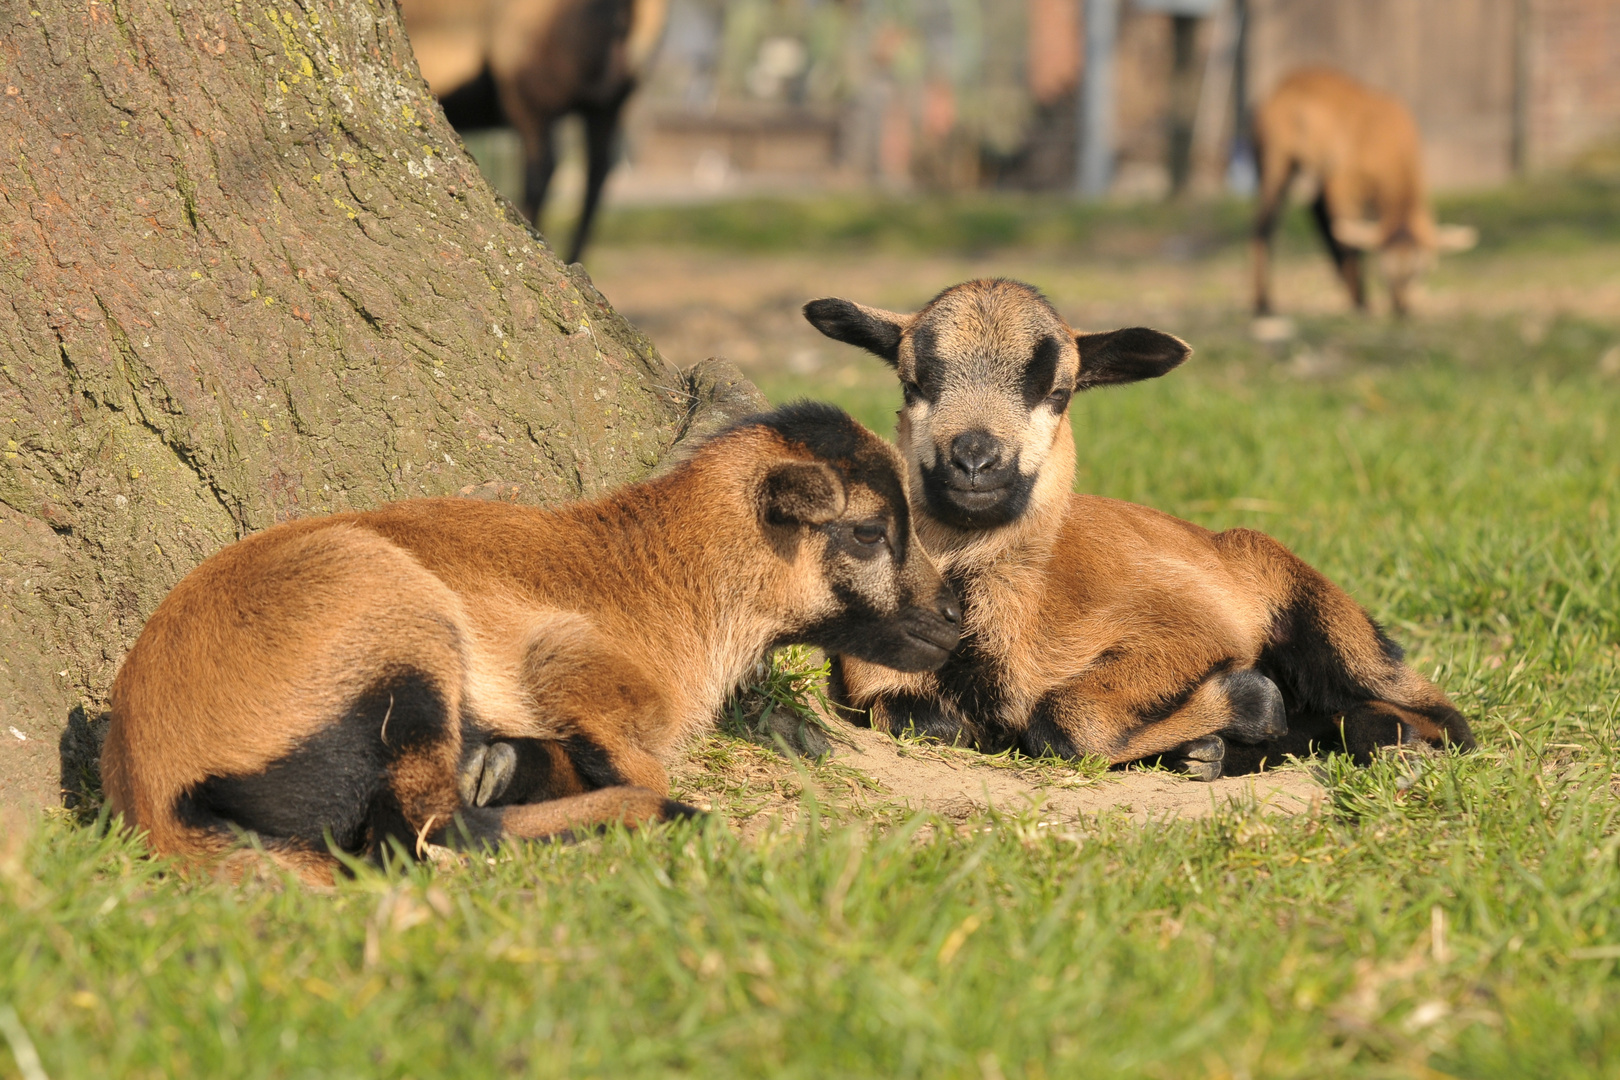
{"points": [[873, 329], [802, 493], [1127, 356]]}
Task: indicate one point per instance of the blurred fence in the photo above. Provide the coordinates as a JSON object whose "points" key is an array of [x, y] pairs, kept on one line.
{"points": [[753, 95]]}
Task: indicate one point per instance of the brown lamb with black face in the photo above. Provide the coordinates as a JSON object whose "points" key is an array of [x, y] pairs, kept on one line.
{"points": [[456, 671], [1092, 626]]}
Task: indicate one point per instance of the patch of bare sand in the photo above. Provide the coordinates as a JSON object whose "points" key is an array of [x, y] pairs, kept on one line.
{"points": [[873, 776], [954, 786]]}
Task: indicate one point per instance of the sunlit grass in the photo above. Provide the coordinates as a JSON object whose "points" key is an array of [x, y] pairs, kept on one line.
{"points": [[1439, 916]]}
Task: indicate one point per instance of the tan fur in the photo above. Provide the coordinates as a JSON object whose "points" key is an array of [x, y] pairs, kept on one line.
{"points": [[1093, 626], [604, 633], [1363, 150]]}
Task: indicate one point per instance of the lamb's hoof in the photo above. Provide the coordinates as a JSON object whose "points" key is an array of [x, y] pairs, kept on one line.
{"points": [[487, 773], [1199, 759]]}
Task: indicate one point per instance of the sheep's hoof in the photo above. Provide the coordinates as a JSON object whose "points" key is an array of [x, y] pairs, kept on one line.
{"points": [[1199, 759], [487, 773]]}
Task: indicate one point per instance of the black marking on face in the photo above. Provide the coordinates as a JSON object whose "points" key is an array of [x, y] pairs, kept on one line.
{"points": [[1041, 373], [990, 490], [918, 637], [926, 367], [1001, 497], [864, 540]]}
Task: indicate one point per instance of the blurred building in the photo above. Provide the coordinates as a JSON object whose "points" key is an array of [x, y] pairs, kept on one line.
{"points": [[961, 94]]}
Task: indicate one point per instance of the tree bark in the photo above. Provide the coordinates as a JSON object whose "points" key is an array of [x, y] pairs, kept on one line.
{"points": [[250, 274]]}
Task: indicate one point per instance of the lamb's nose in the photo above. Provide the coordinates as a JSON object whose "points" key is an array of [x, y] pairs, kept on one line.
{"points": [[974, 451]]}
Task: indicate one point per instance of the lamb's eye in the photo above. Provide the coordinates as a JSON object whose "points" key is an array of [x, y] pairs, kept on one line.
{"points": [[1059, 399], [910, 390], [870, 532]]}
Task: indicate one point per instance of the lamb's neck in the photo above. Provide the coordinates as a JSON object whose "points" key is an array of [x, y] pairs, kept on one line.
{"points": [[689, 590]]}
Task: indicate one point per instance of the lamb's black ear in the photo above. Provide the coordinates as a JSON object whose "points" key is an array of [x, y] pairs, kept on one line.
{"points": [[873, 329], [802, 493], [1127, 356]]}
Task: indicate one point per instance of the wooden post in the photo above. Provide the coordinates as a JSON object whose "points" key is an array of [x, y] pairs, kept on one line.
{"points": [[1519, 148], [1096, 170]]}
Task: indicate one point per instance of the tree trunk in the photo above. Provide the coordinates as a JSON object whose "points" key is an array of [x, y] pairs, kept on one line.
{"points": [[249, 274]]}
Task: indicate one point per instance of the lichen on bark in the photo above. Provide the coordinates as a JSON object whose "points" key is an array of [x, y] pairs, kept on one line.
{"points": [[249, 273]]}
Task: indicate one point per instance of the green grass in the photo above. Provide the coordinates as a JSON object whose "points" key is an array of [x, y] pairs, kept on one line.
{"points": [[963, 223], [1464, 924], [1448, 914], [1561, 213], [1439, 916]]}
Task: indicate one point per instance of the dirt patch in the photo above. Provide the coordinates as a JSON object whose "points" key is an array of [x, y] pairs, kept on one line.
{"points": [[953, 785], [871, 775]]}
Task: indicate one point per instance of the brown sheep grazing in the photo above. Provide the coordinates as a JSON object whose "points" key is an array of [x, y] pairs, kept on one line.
{"points": [[1092, 626], [454, 671], [1362, 149]]}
